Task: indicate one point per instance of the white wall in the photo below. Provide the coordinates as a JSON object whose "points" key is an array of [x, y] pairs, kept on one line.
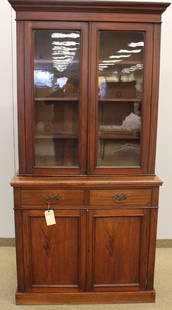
{"points": [[8, 123]]}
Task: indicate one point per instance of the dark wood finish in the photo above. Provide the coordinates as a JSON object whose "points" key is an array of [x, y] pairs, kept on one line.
{"points": [[154, 99], [21, 97], [134, 197], [61, 248], [90, 16], [118, 231], [102, 247], [89, 6]]}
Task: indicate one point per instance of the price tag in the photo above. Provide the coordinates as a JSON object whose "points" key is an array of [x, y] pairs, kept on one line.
{"points": [[50, 218]]}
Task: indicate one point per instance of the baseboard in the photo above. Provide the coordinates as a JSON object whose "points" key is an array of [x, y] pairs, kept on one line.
{"points": [[161, 243], [164, 243], [7, 241]]}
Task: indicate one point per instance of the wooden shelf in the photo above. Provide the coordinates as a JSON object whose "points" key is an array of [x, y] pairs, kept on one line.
{"points": [[68, 99], [55, 137], [131, 62], [108, 137], [120, 100]]}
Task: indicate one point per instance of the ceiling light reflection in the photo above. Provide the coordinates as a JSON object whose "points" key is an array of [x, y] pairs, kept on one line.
{"points": [[129, 51], [65, 43], [135, 44], [119, 56], [65, 35]]}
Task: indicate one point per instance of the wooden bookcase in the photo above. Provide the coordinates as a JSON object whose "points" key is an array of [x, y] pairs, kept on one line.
{"points": [[87, 114]]}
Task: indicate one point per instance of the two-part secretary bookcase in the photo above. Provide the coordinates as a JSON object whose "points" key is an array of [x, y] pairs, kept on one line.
{"points": [[87, 113]]}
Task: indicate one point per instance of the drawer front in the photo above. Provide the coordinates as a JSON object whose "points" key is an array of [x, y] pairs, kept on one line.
{"points": [[57, 197], [121, 197]]}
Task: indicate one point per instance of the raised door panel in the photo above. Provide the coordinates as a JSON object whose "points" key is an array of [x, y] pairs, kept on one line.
{"points": [[56, 97], [118, 247], [54, 256], [120, 93]]}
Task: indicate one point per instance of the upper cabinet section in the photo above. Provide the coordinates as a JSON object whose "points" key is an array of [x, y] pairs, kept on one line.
{"points": [[87, 86]]}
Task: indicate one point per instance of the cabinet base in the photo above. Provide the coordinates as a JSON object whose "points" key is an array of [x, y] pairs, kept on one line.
{"points": [[85, 298]]}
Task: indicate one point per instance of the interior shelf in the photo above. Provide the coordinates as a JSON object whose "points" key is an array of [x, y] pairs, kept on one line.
{"points": [[68, 99], [131, 62], [108, 137], [56, 137], [120, 100]]}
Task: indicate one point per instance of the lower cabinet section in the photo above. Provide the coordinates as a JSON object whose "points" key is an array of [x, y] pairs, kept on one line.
{"points": [[86, 250], [99, 250]]}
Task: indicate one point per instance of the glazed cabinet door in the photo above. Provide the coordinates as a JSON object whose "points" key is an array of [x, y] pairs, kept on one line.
{"points": [[54, 256], [118, 247], [55, 97], [120, 97]]}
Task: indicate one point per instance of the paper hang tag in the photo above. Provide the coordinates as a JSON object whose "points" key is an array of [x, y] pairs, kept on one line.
{"points": [[49, 217]]}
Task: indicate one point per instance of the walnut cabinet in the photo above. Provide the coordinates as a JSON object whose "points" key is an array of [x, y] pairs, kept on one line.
{"points": [[87, 117]]}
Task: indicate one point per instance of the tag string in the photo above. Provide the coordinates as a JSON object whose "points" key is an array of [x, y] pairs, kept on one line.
{"points": [[48, 206]]}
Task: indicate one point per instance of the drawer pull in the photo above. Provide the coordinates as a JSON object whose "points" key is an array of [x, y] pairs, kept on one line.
{"points": [[52, 199], [119, 197]]}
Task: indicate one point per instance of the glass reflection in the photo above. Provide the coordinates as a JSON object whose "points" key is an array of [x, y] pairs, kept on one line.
{"points": [[121, 64], [56, 63]]}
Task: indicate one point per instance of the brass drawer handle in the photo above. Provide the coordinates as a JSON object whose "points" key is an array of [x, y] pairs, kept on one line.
{"points": [[119, 197], [52, 199]]}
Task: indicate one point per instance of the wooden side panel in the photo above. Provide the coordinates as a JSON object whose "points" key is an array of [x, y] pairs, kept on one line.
{"points": [[154, 98], [152, 240], [119, 250], [21, 96], [54, 255]]}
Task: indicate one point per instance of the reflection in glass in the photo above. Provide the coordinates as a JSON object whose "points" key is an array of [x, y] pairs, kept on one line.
{"points": [[56, 63], [121, 64], [121, 56]]}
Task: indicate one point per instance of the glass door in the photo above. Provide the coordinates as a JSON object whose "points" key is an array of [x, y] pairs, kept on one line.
{"points": [[120, 59], [56, 107]]}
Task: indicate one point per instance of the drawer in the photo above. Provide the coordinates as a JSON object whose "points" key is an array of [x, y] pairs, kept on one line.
{"points": [[123, 197], [58, 197]]}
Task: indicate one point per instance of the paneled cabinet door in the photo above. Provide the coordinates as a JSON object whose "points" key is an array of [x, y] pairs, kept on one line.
{"points": [[54, 256], [118, 247]]}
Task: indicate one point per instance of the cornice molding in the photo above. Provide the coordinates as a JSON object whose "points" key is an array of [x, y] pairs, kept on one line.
{"points": [[89, 6]]}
